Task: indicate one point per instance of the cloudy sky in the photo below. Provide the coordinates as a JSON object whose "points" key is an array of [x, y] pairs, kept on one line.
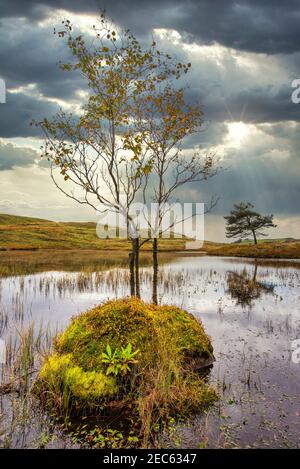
{"points": [[244, 54]]}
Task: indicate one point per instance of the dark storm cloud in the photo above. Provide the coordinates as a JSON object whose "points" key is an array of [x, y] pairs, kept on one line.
{"points": [[264, 170], [271, 185], [270, 26], [255, 105], [18, 112], [30, 54], [12, 156]]}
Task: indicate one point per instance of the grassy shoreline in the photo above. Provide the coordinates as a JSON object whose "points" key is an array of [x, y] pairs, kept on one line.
{"points": [[267, 250], [121, 248]]}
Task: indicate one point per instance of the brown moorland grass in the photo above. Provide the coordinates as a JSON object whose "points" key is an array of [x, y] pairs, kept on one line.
{"points": [[28, 234], [277, 250], [33, 234]]}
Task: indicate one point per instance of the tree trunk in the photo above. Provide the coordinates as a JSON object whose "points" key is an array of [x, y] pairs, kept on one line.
{"points": [[155, 271], [254, 236], [137, 268], [131, 269], [255, 272]]}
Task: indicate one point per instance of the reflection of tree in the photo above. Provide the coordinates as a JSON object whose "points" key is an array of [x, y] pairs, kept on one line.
{"points": [[245, 288]]}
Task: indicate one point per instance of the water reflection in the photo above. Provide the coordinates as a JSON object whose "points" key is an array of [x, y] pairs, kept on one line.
{"points": [[245, 288], [258, 383]]}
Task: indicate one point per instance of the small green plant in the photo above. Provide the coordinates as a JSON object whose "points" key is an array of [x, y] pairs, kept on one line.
{"points": [[108, 438], [119, 361]]}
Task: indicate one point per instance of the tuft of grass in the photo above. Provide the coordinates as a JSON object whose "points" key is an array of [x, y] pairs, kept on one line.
{"points": [[22, 419]]}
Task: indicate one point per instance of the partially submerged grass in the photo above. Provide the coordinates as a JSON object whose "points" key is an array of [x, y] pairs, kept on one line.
{"points": [[29, 262], [162, 383], [245, 289], [22, 423], [85, 261]]}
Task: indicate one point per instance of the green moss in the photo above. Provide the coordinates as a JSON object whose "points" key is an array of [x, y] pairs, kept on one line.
{"points": [[89, 385], [61, 376], [161, 383], [120, 322]]}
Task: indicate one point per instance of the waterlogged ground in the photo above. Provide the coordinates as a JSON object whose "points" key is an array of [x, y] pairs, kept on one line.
{"points": [[250, 309]]}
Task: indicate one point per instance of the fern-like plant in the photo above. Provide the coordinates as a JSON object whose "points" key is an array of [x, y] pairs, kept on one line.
{"points": [[119, 361]]}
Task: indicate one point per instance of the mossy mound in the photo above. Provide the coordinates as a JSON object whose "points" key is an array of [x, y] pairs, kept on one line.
{"points": [[120, 322], [170, 342]]}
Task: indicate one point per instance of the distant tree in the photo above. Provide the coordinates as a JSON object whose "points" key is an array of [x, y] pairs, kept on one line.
{"points": [[244, 221]]}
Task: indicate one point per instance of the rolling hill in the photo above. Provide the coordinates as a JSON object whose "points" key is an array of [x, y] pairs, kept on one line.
{"points": [[29, 234], [25, 233]]}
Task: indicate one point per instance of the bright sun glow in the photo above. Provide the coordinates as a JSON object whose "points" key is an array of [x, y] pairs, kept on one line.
{"points": [[237, 132]]}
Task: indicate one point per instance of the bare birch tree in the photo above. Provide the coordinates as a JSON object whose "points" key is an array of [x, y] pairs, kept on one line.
{"points": [[98, 154]]}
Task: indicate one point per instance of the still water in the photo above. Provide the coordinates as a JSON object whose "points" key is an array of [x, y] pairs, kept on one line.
{"points": [[249, 308]]}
